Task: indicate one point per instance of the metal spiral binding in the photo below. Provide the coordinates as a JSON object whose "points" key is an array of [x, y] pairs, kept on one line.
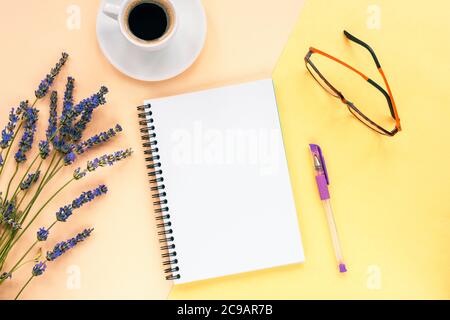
{"points": [[159, 196]]}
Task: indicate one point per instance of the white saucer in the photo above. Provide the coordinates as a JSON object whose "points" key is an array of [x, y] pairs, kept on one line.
{"points": [[169, 62]]}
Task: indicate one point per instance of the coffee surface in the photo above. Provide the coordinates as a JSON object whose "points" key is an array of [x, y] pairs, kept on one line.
{"points": [[148, 21]]}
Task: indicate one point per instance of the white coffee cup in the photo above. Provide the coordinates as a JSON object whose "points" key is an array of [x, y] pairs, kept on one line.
{"points": [[121, 13]]}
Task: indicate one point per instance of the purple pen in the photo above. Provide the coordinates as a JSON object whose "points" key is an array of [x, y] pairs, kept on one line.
{"points": [[323, 181]]}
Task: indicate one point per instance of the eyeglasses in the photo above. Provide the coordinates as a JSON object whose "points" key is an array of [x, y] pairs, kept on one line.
{"points": [[324, 83]]}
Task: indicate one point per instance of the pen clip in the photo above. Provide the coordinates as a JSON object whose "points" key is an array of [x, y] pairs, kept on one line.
{"points": [[315, 149]]}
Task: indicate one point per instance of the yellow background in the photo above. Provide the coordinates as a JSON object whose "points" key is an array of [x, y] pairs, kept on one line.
{"points": [[390, 195]]}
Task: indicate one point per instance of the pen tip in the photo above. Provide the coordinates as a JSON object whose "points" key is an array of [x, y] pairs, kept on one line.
{"points": [[342, 268], [317, 163]]}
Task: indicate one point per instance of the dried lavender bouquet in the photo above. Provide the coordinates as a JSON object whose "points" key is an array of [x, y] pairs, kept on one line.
{"points": [[32, 174]]}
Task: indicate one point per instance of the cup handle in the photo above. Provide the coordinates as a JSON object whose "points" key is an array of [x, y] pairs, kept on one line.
{"points": [[111, 10]]}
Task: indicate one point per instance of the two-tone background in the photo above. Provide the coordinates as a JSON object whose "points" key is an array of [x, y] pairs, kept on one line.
{"points": [[390, 194]]}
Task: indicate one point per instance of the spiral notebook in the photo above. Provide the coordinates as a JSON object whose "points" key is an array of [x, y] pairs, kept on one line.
{"points": [[220, 182]]}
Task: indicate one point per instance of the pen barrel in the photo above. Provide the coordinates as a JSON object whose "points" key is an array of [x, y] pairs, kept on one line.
{"points": [[322, 185], [333, 231]]}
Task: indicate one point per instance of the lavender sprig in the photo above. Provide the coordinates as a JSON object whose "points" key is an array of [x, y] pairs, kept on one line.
{"points": [[44, 145], [108, 159], [30, 117], [8, 209], [39, 269], [69, 159], [45, 84], [42, 234], [92, 102], [67, 114], [79, 174], [8, 131], [65, 212], [53, 118], [62, 145], [88, 196], [97, 139], [86, 109], [103, 161], [8, 214], [44, 149], [30, 179], [65, 246]]}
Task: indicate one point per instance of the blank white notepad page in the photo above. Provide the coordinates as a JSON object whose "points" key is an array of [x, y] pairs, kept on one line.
{"points": [[225, 174]]}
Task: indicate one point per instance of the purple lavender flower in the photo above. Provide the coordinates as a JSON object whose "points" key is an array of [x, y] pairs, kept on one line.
{"points": [[105, 160], [30, 117], [42, 234], [65, 246], [97, 139], [45, 84], [12, 223], [62, 145], [86, 108], [59, 141], [6, 138], [22, 106], [92, 102], [53, 118], [67, 114], [1, 161], [44, 149], [69, 159], [8, 209], [109, 159], [39, 269], [8, 131], [88, 196], [30, 179], [65, 212], [79, 174], [93, 165], [20, 156]]}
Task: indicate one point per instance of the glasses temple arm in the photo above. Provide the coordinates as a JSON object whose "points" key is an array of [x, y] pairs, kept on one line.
{"points": [[386, 95], [391, 102], [365, 45]]}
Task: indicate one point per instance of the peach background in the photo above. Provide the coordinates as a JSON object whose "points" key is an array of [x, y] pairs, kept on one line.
{"points": [[121, 260]]}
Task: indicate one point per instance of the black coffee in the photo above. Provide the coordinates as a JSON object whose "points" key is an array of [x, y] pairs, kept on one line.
{"points": [[148, 21]]}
